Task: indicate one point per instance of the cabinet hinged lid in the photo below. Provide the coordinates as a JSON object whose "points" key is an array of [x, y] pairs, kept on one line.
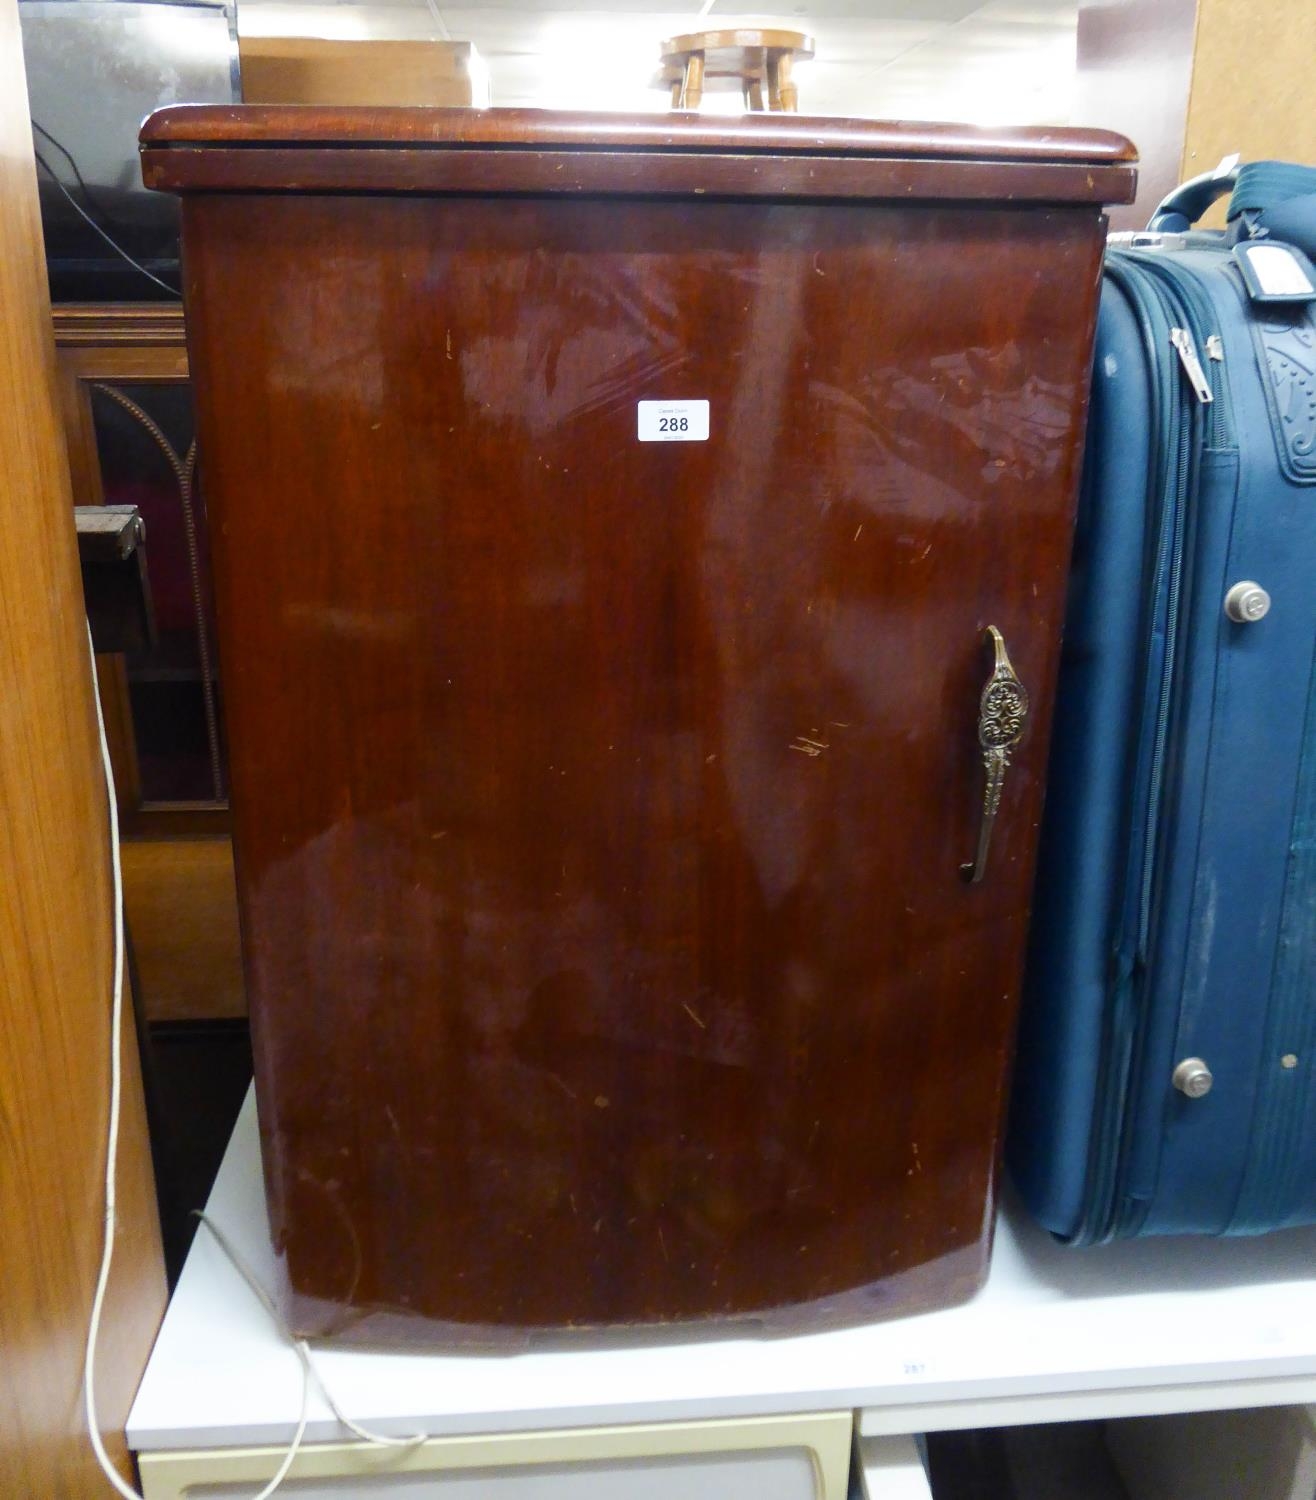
{"points": [[292, 148]]}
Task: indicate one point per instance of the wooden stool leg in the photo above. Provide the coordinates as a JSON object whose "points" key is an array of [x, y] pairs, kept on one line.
{"points": [[755, 94], [788, 96], [676, 93], [693, 90], [770, 67]]}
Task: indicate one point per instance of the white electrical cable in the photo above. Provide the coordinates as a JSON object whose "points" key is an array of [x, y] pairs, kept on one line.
{"points": [[116, 1090], [303, 1350], [309, 1372]]}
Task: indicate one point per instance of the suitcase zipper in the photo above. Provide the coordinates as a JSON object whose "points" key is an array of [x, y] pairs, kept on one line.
{"points": [[1188, 310], [1162, 310], [1198, 326], [1199, 425], [1174, 473], [1187, 350], [1120, 1023]]}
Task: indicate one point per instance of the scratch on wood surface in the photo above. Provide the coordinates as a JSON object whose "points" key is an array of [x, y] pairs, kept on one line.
{"points": [[564, 1086], [701, 1025], [809, 746]]}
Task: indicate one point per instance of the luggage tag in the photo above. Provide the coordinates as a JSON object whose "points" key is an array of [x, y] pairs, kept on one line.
{"points": [[1274, 272]]}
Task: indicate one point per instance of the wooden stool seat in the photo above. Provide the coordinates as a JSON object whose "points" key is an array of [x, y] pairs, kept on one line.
{"points": [[756, 58]]}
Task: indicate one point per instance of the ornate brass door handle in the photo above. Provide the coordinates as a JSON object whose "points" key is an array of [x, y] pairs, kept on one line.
{"points": [[1002, 711]]}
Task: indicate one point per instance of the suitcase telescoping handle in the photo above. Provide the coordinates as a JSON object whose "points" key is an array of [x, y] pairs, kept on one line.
{"points": [[1002, 712], [1180, 210]]}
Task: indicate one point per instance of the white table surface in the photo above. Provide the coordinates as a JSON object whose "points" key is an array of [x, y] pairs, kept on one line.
{"points": [[1144, 1327]]}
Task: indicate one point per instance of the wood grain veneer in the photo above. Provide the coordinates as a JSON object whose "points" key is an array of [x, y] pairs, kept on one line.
{"points": [[182, 911], [55, 923], [599, 806]]}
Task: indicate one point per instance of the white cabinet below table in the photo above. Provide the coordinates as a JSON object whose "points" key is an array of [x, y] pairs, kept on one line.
{"points": [[760, 1458]]}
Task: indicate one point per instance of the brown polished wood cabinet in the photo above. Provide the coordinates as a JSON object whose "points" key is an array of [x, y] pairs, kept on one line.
{"points": [[640, 549]]}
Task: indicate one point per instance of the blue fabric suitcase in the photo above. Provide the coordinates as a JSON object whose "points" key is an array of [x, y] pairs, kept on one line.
{"points": [[1166, 1077]]}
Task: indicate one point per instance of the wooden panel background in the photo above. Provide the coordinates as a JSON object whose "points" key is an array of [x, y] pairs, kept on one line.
{"points": [[183, 913], [1192, 81], [181, 904], [55, 932], [318, 70], [1252, 85], [1135, 66]]}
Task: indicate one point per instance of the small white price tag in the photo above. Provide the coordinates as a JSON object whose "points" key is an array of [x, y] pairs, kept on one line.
{"points": [[672, 421], [1277, 271]]}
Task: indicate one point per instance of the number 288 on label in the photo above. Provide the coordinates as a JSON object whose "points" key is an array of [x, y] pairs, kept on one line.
{"points": [[672, 422]]}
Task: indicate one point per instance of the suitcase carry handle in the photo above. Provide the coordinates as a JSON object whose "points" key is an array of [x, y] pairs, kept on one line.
{"points": [[1182, 208], [1276, 200], [1270, 199]]}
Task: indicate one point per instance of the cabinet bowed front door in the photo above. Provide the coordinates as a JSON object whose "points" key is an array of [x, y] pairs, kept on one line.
{"points": [[640, 552]]}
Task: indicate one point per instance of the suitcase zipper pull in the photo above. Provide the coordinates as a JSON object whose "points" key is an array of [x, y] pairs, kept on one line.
{"points": [[1187, 351]]}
